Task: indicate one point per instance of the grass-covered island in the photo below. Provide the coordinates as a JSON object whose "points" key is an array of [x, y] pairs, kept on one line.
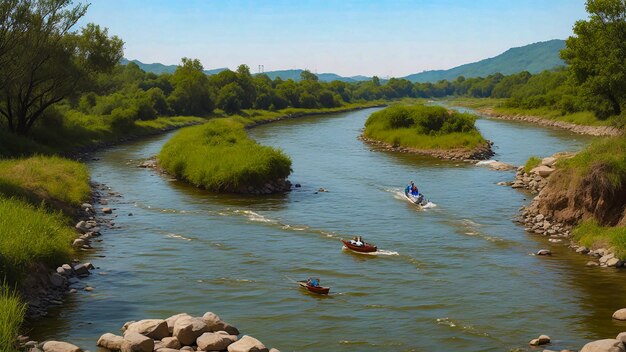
{"points": [[219, 156], [430, 130]]}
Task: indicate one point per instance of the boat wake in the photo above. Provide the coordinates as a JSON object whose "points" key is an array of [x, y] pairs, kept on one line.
{"points": [[466, 328], [399, 194], [252, 216], [377, 253], [181, 237]]}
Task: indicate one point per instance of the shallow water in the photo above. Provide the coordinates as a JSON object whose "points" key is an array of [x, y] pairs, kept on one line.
{"points": [[454, 277]]}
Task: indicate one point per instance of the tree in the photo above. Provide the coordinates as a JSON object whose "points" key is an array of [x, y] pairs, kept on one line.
{"points": [[306, 75], [191, 95], [596, 55], [45, 62]]}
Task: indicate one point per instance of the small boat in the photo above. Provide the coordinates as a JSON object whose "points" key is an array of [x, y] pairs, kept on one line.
{"points": [[365, 248], [418, 199], [320, 290]]}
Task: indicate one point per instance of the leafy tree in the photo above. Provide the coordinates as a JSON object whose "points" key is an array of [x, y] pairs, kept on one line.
{"points": [[191, 95], [596, 55], [245, 81], [230, 97], [48, 62], [306, 75]]}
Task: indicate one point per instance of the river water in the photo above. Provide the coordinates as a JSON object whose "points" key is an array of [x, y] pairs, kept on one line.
{"points": [[456, 277]]}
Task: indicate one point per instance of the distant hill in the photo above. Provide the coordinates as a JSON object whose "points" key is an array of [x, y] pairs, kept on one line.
{"points": [[160, 68], [533, 58], [324, 77]]}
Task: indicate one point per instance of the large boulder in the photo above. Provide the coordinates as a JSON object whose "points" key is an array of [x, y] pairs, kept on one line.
{"points": [[215, 341], [542, 170], [136, 342], [620, 314], [172, 320], [214, 323], [549, 161], [153, 328], [188, 329], [59, 346], [110, 342], [247, 344], [608, 345]]}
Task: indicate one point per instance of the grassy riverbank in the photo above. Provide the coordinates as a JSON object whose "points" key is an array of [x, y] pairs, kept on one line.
{"points": [[219, 156], [499, 107], [11, 317], [423, 127]]}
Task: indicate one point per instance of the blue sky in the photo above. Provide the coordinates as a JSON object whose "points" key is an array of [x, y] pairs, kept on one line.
{"points": [[348, 37]]}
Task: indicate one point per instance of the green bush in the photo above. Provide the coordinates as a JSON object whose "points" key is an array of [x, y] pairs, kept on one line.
{"points": [[423, 127], [219, 156]]}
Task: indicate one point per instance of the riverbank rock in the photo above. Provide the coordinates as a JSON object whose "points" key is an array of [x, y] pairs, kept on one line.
{"points": [[544, 252], [188, 329], [168, 342], [540, 341], [496, 165], [135, 342], [215, 341], [542, 170], [153, 328], [110, 341], [620, 314], [214, 323], [247, 344], [59, 346], [607, 345], [172, 320]]}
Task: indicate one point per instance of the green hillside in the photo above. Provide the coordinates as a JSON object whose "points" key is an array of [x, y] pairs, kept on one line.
{"points": [[533, 58], [158, 68]]}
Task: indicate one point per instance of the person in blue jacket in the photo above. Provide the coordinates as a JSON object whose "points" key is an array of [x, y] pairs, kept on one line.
{"points": [[412, 188]]}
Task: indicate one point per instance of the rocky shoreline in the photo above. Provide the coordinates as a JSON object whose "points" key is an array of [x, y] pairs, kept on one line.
{"points": [[180, 332], [482, 152], [607, 131], [542, 224]]}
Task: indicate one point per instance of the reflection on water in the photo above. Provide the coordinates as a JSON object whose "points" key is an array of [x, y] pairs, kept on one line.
{"points": [[457, 275]]}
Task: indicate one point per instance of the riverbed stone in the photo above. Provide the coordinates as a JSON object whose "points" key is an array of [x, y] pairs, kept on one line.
{"points": [[215, 341], [542, 170], [81, 270], [172, 320], [606, 345], [613, 262], [135, 342], [247, 344], [188, 329], [59, 346], [171, 342], [549, 161], [620, 314], [544, 252], [274, 350], [110, 341], [153, 328], [622, 337], [57, 280], [107, 210], [592, 263], [214, 323]]}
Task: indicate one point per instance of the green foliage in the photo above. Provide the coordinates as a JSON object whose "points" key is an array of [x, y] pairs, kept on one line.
{"points": [[532, 163], [423, 127], [596, 56], [12, 311], [219, 156], [592, 235], [47, 179], [29, 235]]}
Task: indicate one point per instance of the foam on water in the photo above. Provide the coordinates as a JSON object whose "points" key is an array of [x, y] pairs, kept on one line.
{"points": [[173, 235]]}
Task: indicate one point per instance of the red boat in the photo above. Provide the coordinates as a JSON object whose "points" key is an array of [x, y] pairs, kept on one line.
{"points": [[320, 290], [365, 248]]}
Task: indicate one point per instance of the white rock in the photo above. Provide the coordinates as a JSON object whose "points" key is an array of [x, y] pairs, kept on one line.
{"points": [[544, 252], [171, 342], [172, 320], [608, 345], [59, 346], [188, 329], [620, 314], [613, 262], [247, 344], [153, 328], [542, 171], [549, 161], [110, 342], [215, 341], [134, 342], [214, 323]]}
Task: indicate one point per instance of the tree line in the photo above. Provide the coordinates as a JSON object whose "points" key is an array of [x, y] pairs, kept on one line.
{"points": [[47, 68]]}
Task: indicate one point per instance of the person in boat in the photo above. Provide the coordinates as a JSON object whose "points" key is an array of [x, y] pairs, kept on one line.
{"points": [[354, 240], [414, 190], [313, 282], [359, 241]]}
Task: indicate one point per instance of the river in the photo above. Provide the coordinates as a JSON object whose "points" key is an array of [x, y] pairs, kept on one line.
{"points": [[456, 277]]}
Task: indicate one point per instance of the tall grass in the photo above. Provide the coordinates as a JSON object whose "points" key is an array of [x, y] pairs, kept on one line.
{"points": [[592, 235], [423, 127], [12, 310], [220, 156], [29, 235], [45, 178], [532, 163], [607, 155]]}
